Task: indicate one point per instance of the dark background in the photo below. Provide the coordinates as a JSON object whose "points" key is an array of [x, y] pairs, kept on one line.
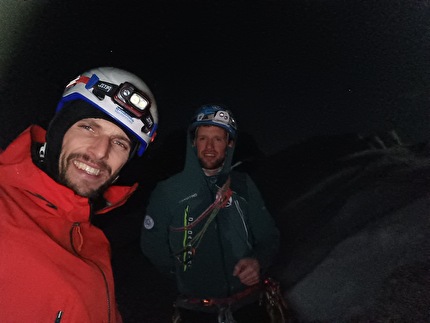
{"points": [[289, 70]]}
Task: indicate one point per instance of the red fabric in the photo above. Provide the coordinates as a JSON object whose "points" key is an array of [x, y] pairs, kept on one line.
{"points": [[51, 258]]}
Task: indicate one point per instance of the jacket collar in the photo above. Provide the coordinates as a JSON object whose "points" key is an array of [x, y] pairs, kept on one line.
{"points": [[18, 170]]}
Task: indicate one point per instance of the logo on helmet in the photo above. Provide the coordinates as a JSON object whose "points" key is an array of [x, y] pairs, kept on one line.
{"points": [[124, 114]]}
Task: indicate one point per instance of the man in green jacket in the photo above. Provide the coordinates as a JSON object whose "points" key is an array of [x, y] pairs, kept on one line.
{"points": [[208, 225]]}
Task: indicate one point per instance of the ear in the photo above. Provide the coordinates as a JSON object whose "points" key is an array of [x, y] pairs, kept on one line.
{"points": [[231, 143]]}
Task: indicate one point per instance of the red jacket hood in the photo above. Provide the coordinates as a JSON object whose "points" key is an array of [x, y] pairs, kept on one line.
{"points": [[18, 170]]}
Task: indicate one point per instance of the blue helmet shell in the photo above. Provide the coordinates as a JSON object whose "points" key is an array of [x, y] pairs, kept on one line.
{"points": [[214, 115]]}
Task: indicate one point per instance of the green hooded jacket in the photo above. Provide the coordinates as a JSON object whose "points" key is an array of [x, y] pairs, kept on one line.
{"points": [[174, 219]]}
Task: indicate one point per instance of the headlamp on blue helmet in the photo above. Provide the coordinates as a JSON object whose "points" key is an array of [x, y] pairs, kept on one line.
{"points": [[214, 115]]}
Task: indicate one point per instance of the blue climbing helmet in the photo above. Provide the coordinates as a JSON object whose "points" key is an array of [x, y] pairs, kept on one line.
{"points": [[214, 115]]}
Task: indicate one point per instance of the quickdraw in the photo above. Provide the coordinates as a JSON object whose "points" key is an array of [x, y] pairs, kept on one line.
{"points": [[222, 197], [276, 306]]}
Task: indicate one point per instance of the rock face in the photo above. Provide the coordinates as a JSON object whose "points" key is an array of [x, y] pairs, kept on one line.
{"points": [[356, 245]]}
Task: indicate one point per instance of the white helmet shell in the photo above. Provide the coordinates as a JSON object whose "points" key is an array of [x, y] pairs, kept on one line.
{"points": [[121, 95]]}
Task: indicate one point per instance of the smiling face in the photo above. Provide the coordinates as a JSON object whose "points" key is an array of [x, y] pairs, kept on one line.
{"points": [[93, 152], [211, 143]]}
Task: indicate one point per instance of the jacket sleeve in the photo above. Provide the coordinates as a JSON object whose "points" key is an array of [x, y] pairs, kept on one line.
{"points": [[265, 234], [154, 240]]}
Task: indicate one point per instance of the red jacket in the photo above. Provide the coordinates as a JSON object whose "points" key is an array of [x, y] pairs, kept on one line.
{"points": [[51, 258]]}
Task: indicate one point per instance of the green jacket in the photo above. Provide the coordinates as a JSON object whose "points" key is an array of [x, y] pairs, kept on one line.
{"points": [[243, 228]]}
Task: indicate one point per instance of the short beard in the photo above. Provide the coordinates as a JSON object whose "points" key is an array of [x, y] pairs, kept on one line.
{"points": [[92, 194], [217, 164]]}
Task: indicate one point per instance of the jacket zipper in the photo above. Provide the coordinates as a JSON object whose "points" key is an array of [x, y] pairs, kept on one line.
{"points": [[242, 217], [76, 229]]}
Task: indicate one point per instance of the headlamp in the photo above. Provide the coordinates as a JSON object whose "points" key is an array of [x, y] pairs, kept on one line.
{"points": [[131, 100], [126, 95], [222, 117]]}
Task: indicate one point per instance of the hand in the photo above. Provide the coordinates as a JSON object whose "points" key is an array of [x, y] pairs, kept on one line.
{"points": [[248, 271]]}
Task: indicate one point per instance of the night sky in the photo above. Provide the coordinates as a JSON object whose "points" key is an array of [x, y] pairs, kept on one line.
{"points": [[289, 70]]}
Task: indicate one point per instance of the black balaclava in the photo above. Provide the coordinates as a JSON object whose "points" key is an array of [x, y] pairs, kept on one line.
{"points": [[71, 113]]}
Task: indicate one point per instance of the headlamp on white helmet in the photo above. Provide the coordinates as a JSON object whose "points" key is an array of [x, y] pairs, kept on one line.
{"points": [[122, 96], [215, 115]]}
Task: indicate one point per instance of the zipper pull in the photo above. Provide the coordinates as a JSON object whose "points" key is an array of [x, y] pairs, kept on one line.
{"points": [[42, 151], [58, 318]]}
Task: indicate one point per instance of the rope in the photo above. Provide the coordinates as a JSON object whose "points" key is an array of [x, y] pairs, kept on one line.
{"points": [[222, 197]]}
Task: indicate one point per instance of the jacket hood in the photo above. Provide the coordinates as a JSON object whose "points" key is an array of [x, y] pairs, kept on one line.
{"points": [[192, 165], [17, 169]]}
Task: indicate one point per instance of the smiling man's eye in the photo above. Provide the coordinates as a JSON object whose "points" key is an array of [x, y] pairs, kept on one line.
{"points": [[85, 126], [122, 144]]}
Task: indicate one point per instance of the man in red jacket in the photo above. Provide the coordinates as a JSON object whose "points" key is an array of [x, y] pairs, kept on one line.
{"points": [[55, 265]]}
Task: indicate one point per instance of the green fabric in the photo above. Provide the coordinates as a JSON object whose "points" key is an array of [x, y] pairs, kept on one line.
{"points": [[244, 228]]}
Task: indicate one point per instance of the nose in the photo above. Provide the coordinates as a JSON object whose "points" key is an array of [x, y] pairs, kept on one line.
{"points": [[100, 147], [210, 143]]}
